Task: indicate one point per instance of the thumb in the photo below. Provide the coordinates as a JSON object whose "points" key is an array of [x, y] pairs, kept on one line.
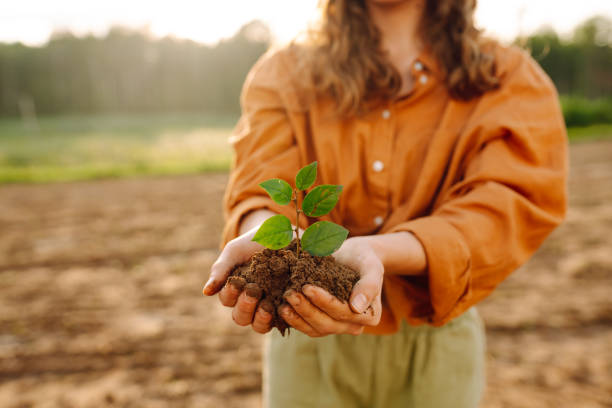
{"points": [[221, 268], [218, 275], [368, 287], [235, 252]]}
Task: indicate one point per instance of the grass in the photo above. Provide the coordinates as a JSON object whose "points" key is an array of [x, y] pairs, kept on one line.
{"points": [[68, 148], [579, 111], [592, 132]]}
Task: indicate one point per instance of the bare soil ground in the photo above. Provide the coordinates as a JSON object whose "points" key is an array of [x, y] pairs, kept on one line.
{"points": [[100, 301]]}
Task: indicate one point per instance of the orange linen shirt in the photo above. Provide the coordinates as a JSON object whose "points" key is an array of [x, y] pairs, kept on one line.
{"points": [[480, 183]]}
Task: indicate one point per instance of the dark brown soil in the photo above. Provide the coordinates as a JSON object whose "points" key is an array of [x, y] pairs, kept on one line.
{"points": [[271, 273]]}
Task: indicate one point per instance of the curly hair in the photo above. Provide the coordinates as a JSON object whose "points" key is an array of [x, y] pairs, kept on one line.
{"points": [[345, 58]]}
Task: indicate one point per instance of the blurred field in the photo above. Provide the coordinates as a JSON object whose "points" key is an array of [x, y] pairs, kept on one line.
{"points": [[85, 147], [100, 301], [68, 148]]}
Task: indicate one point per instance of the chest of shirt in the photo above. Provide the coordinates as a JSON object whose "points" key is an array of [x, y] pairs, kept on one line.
{"points": [[382, 157]]}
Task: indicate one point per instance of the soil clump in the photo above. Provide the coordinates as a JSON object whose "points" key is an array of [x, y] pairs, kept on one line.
{"points": [[270, 273]]}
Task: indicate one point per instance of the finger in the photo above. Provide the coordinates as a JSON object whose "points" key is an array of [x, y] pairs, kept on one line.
{"points": [[244, 310], [262, 322], [232, 289], [294, 320], [315, 317], [369, 285], [334, 307]]}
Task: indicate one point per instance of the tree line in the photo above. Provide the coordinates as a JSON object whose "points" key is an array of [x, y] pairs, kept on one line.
{"points": [[127, 71], [131, 71], [580, 66]]}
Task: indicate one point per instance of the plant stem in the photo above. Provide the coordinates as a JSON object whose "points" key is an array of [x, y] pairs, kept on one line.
{"points": [[297, 221]]}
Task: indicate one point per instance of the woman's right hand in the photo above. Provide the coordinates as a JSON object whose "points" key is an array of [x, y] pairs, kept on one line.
{"points": [[247, 310]]}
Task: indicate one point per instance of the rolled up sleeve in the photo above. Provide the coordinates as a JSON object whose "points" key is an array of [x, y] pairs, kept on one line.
{"points": [[264, 146], [509, 194]]}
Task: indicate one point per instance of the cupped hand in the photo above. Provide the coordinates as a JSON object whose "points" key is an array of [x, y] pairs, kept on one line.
{"points": [[244, 299], [318, 313]]}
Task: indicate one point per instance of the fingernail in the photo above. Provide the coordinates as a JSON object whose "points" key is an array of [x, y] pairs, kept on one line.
{"points": [[359, 302], [315, 292], [267, 306], [292, 297], [208, 287], [237, 282], [309, 290], [253, 290], [250, 300]]}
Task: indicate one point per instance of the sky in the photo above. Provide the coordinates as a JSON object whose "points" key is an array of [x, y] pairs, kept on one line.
{"points": [[208, 21]]}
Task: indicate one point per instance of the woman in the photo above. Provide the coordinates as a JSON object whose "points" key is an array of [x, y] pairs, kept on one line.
{"points": [[452, 154]]}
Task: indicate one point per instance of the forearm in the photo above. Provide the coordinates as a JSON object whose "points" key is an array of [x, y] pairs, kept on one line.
{"points": [[253, 219], [400, 252]]}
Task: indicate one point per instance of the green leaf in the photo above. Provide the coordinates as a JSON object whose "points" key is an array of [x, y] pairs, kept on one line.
{"points": [[306, 176], [279, 190], [323, 238], [275, 232], [321, 200]]}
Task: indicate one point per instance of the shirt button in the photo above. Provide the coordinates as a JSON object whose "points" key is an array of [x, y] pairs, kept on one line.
{"points": [[378, 220], [418, 66], [377, 166], [423, 79], [386, 114]]}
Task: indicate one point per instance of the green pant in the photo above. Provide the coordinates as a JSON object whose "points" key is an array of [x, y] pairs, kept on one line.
{"points": [[417, 367]]}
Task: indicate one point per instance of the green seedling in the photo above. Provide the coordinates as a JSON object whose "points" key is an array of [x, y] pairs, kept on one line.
{"points": [[321, 238]]}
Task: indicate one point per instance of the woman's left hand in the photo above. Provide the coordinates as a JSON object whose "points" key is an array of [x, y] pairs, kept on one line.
{"points": [[318, 313]]}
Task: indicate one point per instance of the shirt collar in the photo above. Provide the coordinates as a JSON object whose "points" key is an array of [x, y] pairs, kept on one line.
{"points": [[430, 63]]}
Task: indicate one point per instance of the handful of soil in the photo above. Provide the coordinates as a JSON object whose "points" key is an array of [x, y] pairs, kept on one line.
{"points": [[270, 273]]}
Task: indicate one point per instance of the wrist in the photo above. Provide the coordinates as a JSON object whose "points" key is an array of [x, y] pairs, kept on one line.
{"points": [[401, 253], [375, 245]]}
